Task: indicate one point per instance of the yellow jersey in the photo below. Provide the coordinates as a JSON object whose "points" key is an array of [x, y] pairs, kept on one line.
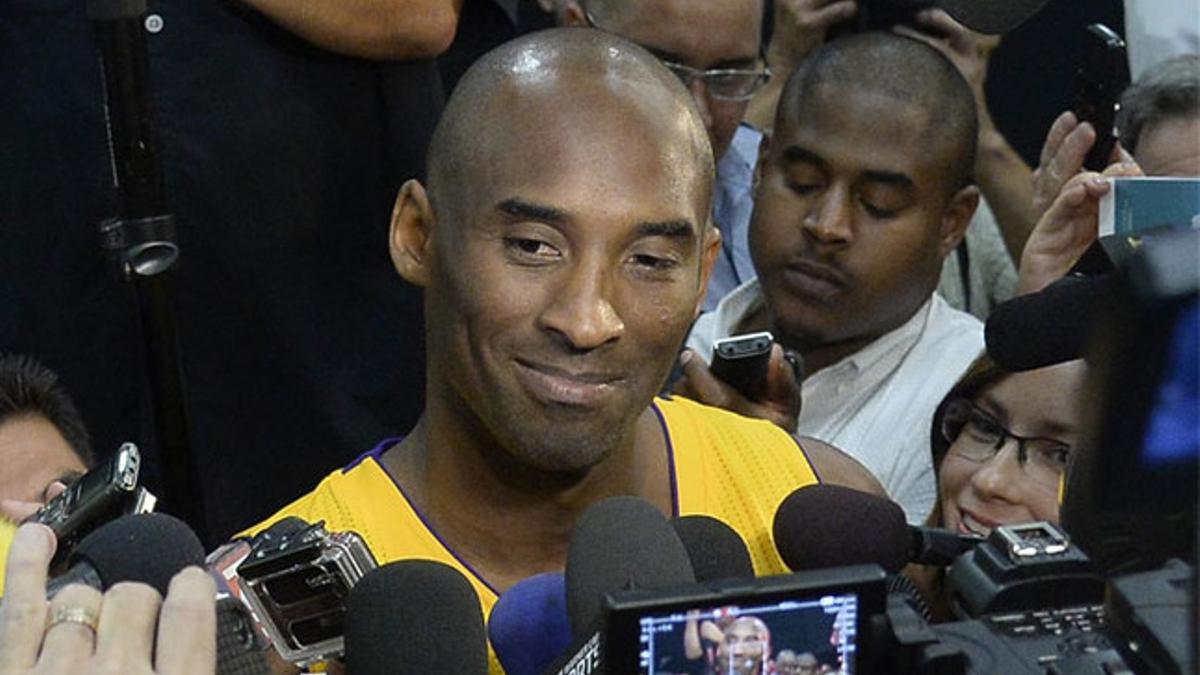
{"points": [[732, 468]]}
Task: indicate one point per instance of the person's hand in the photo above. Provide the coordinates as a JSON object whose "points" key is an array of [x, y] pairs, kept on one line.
{"points": [[128, 629], [1067, 145], [801, 26], [781, 398], [969, 51], [19, 511], [1067, 228]]}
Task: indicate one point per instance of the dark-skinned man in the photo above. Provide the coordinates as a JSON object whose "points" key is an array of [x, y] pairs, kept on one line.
{"points": [[563, 245], [862, 192]]}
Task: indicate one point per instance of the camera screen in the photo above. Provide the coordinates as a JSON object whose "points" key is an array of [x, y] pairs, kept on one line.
{"points": [[1172, 434], [791, 637]]}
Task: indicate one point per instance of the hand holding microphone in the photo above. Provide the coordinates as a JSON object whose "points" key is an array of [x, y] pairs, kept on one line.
{"points": [[129, 628]]}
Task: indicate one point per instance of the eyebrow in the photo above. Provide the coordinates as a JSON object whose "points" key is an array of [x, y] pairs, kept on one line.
{"points": [[519, 208], [737, 63], [672, 229], [528, 210], [1048, 430]]}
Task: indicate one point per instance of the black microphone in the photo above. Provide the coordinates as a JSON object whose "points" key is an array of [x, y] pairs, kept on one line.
{"points": [[1047, 327], [716, 550], [150, 548], [620, 543], [825, 525], [414, 616]]}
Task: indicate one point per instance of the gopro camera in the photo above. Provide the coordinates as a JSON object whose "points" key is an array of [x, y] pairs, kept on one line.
{"points": [[297, 586]]}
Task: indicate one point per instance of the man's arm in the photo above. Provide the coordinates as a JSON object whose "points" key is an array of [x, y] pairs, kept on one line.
{"points": [[1004, 178], [372, 29], [837, 468]]}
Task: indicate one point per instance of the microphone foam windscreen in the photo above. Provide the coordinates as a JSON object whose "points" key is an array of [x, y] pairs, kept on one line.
{"points": [[528, 627], [148, 547], [825, 525], [414, 616], [620, 543], [991, 16], [1047, 327], [716, 550]]}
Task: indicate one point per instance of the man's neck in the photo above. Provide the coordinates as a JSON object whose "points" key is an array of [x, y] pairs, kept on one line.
{"points": [[816, 357], [506, 520]]}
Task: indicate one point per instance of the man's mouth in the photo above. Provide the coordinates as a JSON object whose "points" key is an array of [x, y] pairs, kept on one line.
{"points": [[814, 279], [565, 386]]}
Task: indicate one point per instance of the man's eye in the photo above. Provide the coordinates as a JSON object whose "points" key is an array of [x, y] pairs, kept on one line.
{"points": [[1057, 455], [655, 262], [803, 189], [877, 211], [530, 247]]}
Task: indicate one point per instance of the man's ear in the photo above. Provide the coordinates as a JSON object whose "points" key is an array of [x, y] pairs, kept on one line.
{"points": [[956, 218], [760, 166], [710, 248], [572, 14], [411, 236]]}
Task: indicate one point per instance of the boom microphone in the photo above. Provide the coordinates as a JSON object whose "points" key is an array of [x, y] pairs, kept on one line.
{"points": [[716, 550], [528, 627], [150, 548], [414, 616], [1047, 327]]}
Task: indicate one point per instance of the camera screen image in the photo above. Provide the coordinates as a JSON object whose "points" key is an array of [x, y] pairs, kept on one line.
{"points": [[1172, 435], [791, 637]]}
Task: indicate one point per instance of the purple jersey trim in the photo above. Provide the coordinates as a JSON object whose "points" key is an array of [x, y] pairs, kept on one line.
{"points": [[662, 422], [374, 453]]}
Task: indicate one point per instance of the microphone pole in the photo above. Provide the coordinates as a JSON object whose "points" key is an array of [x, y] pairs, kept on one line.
{"points": [[139, 243]]}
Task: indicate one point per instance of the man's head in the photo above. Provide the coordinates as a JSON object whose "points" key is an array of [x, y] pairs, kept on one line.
{"points": [[864, 189], [690, 36], [746, 648], [42, 435], [1160, 118], [563, 244]]}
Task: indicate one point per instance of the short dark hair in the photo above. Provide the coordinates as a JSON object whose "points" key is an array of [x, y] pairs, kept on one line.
{"points": [[30, 389], [1169, 89], [901, 68]]}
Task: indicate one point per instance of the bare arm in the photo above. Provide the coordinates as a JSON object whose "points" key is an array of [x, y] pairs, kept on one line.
{"points": [[371, 29], [837, 468]]}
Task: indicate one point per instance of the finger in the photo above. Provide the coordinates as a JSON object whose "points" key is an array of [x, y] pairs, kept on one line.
{"points": [[1121, 155], [940, 44], [18, 511], [1068, 161], [1063, 125], [23, 608], [939, 22], [782, 390], [834, 12], [704, 386], [69, 643], [55, 489], [125, 638], [1123, 170], [187, 625]]}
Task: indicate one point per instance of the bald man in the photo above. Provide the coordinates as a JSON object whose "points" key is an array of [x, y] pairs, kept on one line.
{"points": [[563, 245]]}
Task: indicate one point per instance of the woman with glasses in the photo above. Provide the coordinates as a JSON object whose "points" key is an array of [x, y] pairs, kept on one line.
{"points": [[1001, 442]]}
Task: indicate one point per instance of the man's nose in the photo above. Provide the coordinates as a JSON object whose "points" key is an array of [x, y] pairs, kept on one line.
{"points": [[582, 312]]}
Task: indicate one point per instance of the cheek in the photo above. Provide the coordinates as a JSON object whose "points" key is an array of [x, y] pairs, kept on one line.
{"points": [[954, 477]]}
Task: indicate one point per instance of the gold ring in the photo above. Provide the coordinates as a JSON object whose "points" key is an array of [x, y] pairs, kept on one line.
{"points": [[79, 615]]}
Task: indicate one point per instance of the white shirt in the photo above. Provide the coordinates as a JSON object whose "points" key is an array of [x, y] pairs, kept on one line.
{"points": [[876, 404]]}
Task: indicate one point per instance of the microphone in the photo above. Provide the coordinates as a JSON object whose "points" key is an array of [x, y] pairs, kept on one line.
{"points": [[528, 627], [414, 616], [1047, 327], [620, 543], [149, 547], [825, 525], [715, 549]]}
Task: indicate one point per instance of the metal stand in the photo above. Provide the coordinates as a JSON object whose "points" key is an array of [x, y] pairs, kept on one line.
{"points": [[140, 244]]}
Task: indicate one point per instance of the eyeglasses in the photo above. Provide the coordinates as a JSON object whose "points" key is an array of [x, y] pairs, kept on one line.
{"points": [[976, 436], [724, 84]]}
